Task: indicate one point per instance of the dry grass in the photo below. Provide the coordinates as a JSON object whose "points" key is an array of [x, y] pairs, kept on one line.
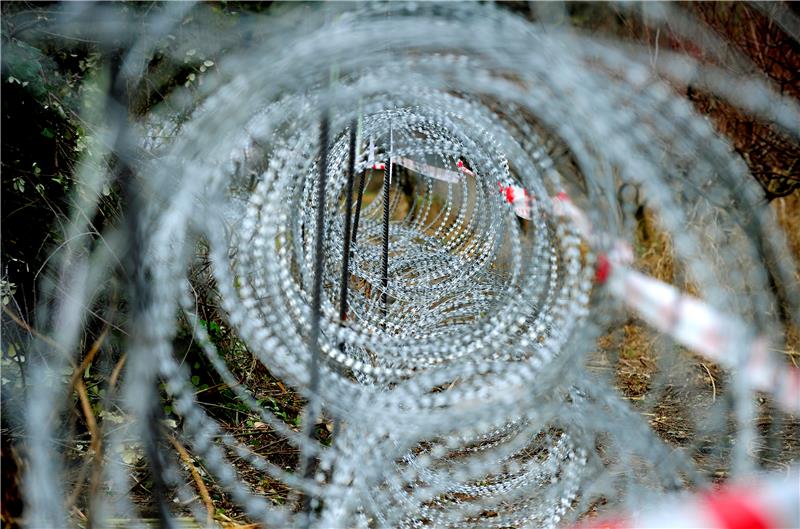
{"points": [[787, 213], [654, 249], [678, 406], [629, 356]]}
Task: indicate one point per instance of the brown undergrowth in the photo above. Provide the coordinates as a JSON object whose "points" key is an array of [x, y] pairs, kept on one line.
{"points": [[677, 390], [673, 388]]}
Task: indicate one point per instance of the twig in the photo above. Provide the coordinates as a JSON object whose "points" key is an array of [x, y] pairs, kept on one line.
{"points": [[76, 375], [713, 385], [96, 440], [791, 354], [215, 386], [19, 321], [117, 370], [201, 487], [453, 383], [79, 513], [91, 422]]}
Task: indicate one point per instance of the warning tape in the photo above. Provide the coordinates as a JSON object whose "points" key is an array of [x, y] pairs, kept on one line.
{"points": [[771, 502], [690, 321], [437, 173]]}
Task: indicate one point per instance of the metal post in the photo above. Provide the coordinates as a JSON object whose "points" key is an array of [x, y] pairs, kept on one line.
{"points": [[357, 215], [387, 176], [348, 205], [139, 293], [316, 304]]}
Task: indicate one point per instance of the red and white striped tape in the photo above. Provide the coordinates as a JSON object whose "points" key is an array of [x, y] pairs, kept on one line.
{"points": [[698, 326], [689, 321], [437, 173], [771, 502], [371, 162]]}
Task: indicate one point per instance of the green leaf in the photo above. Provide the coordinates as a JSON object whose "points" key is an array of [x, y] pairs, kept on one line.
{"points": [[196, 380], [47, 133]]}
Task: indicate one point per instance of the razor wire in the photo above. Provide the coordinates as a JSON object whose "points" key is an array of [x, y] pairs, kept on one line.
{"points": [[488, 251]]}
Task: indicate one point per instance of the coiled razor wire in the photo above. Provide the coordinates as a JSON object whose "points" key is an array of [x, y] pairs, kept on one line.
{"points": [[489, 246]]}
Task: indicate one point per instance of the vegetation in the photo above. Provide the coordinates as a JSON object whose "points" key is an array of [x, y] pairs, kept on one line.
{"points": [[48, 89]]}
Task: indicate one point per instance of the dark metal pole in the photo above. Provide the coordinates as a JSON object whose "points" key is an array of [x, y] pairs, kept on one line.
{"points": [[316, 304], [361, 183], [387, 171], [137, 268], [348, 206]]}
